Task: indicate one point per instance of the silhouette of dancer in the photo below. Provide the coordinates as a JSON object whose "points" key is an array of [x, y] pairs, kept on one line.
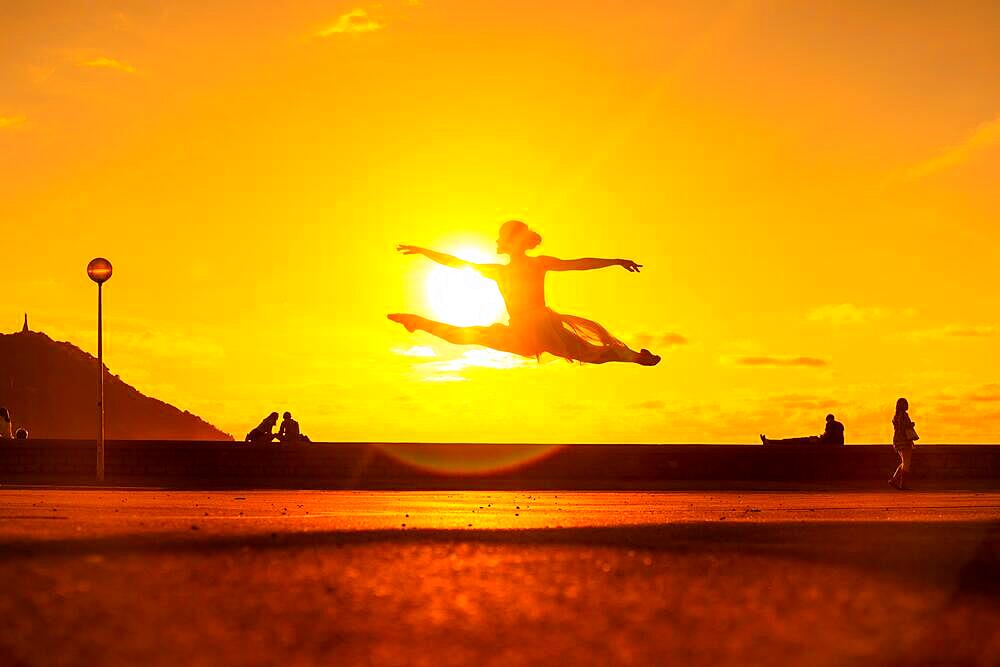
{"points": [[903, 436], [534, 327]]}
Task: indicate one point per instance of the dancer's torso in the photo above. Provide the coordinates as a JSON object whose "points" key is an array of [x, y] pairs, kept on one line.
{"points": [[522, 285]]}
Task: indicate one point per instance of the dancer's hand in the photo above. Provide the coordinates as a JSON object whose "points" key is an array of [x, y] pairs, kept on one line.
{"points": [[411, 250], [629, 265]]}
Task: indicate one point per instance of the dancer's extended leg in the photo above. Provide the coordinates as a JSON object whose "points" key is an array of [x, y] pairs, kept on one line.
{"points": [[587, 341], [495, 336], [597, 354]]}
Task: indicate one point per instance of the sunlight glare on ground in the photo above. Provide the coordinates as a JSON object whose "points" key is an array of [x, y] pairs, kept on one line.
{"points": [[461, 296]]}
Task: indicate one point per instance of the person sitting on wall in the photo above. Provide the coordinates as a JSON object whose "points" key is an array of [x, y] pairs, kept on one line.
{"points": [[289, 430], [833, 435], [5, 433], [264, 432]]}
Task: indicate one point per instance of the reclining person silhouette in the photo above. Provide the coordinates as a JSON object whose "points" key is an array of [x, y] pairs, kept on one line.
{"points": [[534, 327], [263, 432], [833, 435]]}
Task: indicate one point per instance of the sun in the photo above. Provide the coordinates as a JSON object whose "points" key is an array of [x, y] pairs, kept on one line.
{"points": [[461, 296]]}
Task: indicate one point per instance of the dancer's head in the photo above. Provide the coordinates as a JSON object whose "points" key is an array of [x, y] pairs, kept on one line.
{"points": [[287, 415], [830, 418], [273, 418], [515, 238], [902, 405]]}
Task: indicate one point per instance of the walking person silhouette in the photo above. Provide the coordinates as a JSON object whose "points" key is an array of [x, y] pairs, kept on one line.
{"points": [[903, 436], [534, 327]]}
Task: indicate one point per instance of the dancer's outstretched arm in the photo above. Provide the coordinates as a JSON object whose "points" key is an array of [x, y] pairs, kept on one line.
{"points": [[488, 270], [587, 263]]}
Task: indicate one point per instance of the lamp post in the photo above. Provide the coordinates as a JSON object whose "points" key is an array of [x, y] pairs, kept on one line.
{"points": [[99, 271]]}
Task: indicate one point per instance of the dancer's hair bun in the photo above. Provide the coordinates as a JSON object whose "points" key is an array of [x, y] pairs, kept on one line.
{"points": [[515, 229], [532, 239]]}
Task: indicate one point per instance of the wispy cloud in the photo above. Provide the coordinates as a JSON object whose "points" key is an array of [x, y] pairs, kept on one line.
{"points": [[108, 63], [975, 331], [965, 414], [982, 138], [960, 331], [10, 121], [987, 393], [356, 20], [661, 340], [415, 351], [445, 378], [770, 361], [476, 359]]}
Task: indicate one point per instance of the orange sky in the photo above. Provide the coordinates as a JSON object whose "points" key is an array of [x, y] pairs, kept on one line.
{"points": [[811, 188]]}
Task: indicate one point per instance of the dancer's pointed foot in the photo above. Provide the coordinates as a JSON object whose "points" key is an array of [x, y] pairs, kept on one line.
{"points": [[763, 439], [408, 321], [647, 358]]}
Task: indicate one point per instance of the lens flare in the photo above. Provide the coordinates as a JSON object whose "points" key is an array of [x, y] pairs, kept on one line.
{"points": [[467, 459]]}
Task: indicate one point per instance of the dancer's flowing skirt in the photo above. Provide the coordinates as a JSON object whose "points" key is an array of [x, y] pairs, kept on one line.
{"points": [[567, 336]]}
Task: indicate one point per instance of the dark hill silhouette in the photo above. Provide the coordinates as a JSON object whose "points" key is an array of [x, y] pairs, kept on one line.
{"points": [[50, 388]]}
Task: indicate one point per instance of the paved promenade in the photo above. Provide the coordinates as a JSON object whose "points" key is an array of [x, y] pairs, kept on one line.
{"points": [[125, 577]]}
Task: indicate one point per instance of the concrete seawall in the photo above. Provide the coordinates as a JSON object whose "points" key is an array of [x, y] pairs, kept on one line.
{"points": [[369, 466]]}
